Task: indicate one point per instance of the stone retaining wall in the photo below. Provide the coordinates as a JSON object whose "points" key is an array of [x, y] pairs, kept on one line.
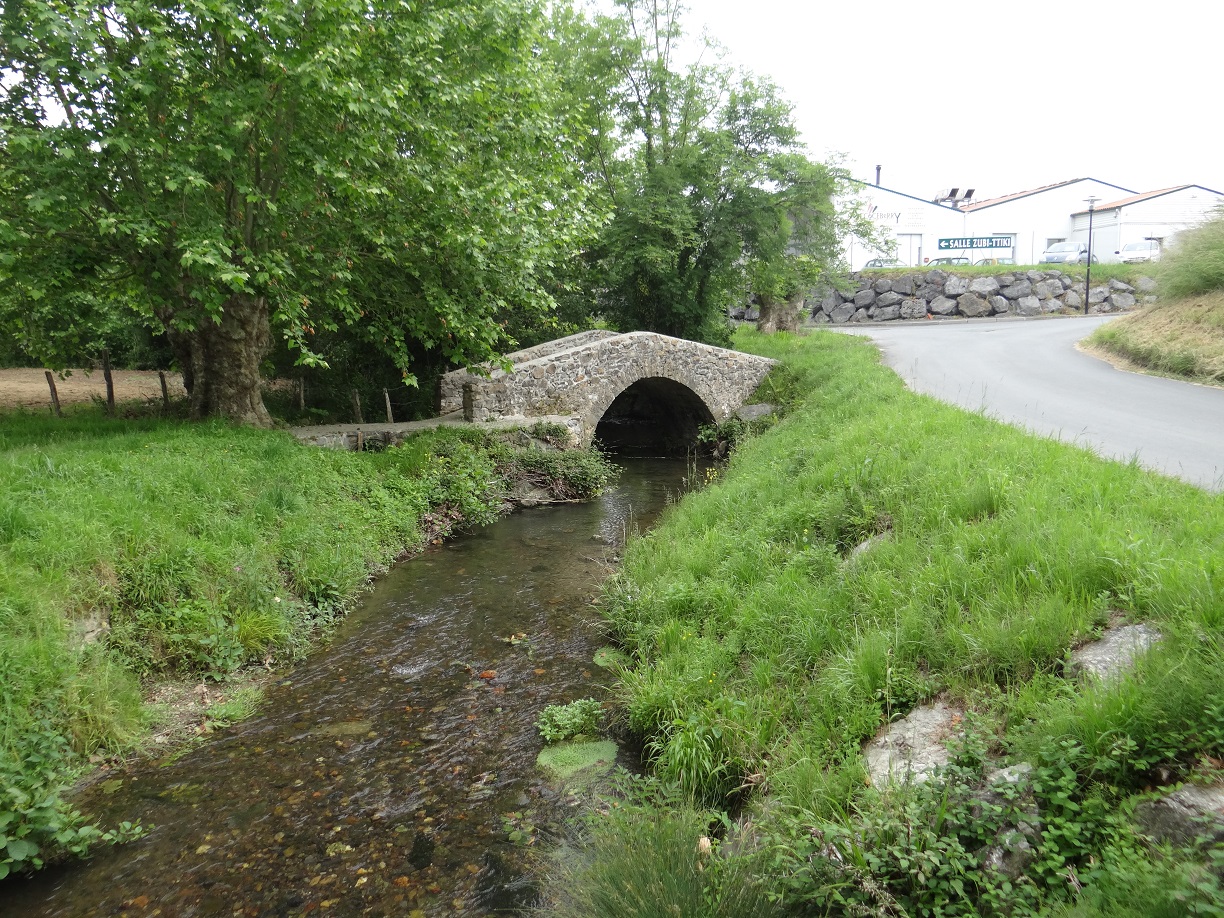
{"points": [[937, 294]]}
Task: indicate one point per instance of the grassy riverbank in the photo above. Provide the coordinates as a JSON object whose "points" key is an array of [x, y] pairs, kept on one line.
{"points": [[135, 551], [874, 551]]}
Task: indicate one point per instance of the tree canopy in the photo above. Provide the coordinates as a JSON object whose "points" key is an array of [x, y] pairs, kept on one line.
{"points": [[233, 170], [711, 190]]}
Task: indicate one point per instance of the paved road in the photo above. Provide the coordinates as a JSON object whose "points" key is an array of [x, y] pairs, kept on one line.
{"points": [[1029, 373]]}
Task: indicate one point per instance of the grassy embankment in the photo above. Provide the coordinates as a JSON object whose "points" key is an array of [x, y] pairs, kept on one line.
{"points": [[134, 551], [1183, 335], [766, 650]]}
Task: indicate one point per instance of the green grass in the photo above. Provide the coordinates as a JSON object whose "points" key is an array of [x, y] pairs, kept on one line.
{"points": [[1181, 338], [766, 648], [195, 549], [1195, 263]]}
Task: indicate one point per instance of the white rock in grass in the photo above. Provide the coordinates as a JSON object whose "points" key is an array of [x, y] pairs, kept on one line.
{"points": [[1113, 653], [913, 747], [1187, 814]]}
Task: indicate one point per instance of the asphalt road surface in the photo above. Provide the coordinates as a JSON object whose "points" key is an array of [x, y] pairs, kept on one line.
{"points": [[1029, 373]]}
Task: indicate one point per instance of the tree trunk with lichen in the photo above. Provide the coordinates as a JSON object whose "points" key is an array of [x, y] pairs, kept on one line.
{"points": [[221, 360], [776, 317]]}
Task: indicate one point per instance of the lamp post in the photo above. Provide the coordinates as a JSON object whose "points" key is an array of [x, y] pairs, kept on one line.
{"points": [[1092, 199]]}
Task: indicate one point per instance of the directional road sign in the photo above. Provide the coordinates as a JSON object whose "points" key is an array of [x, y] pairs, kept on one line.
{"points": [[976, 242]]}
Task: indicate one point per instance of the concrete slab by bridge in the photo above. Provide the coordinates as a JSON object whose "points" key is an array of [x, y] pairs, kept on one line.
{"points": [[630, 390]]}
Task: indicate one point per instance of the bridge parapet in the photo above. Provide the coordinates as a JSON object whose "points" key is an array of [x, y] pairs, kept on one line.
{"points": [[452, 383], [583, 378]]}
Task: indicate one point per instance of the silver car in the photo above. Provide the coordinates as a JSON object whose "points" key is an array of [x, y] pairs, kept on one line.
{"points": [[1066, 253]]}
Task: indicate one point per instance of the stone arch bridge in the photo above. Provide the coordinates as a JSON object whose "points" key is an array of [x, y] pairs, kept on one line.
{"points": [[633, 390]]}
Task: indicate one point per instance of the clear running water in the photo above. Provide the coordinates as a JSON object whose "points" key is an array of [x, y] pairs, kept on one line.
{"points": [[384, 774]]}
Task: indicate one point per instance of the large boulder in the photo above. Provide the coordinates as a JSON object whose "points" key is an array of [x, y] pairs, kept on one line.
{"points": [[1121, 300], [972, 306], [930, 291], [937, 277], [831, 300], [955, 285], [984, 286], [903, 285], [841, 313], [1042, 289], [1097, 295], [942, 306], [886, 313], [913, 308], [999, 305], [883, 285], [1028, 306], [1120, 286], [1073, 300], [864, 298], [888, 298], [1017, 290], [1146, 284]]}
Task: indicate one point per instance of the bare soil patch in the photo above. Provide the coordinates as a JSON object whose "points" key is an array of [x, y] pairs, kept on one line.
{"points": [[28, 388]]}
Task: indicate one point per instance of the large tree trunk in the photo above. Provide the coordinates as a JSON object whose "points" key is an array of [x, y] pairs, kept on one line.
{"points": [[776, 317], [224, 359]]}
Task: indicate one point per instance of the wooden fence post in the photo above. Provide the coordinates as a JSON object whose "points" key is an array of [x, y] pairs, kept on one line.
{"points": [[387, 399], [161, 374], [357, 407], [301, 394], [110, 382], [54, 394]]}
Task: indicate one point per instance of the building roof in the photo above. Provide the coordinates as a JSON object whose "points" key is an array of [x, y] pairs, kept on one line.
{"points": [[1147, 195], [992, 202], [869, 185]]}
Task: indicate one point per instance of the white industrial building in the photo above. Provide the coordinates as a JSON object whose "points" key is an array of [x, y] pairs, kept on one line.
{"points": [[1158, 215], [1036, 219], [1021, 226], [914, 224]]}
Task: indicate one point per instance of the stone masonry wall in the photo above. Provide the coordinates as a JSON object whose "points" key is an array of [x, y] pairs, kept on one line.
{"points": [[452, 383], [937, 294], [583, 381]]}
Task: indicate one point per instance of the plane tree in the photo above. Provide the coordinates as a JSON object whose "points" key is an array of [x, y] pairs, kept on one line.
{"points": [[242, 172]]}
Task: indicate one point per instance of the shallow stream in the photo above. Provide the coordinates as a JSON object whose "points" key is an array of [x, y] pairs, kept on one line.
{"points": [[388, 773]]}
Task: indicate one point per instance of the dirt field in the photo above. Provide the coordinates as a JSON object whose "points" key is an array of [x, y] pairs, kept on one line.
{"points": [[28, 388]]}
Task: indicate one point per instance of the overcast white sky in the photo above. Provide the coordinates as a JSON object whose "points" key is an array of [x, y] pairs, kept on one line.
{"points": [[997, 95]]}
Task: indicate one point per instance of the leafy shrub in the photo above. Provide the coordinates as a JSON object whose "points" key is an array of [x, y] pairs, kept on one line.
{"points": [[559, 722], [36, 823]]}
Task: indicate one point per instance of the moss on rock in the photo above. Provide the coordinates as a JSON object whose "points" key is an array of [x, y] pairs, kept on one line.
{"points": [[579, 759]]}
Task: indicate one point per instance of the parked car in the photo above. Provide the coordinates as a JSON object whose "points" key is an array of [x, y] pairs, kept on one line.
{"points": [[995, 261], [1147, 250], [883, 263], [947, 261], [1067, 253]]}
